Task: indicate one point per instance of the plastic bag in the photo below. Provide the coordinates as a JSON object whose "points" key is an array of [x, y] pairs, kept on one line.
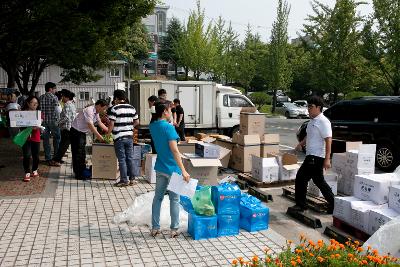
{"points": [[386, 239], [202, 203], [139, 213], [22, 136], [249, 201]]}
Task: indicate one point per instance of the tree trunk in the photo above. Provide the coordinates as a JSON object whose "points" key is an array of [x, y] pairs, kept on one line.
{"points": [[176, 71], [11, 73], [186, 73]]}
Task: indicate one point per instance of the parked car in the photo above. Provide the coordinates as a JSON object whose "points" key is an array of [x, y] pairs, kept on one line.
{"points": [[372, 120], [291, 110], [301, 103]]}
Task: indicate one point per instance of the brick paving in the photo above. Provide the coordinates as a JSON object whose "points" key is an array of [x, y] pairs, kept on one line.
{"points": [[74, 227]]}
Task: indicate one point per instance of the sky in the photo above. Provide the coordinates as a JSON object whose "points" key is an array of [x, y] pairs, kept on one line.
{"points": [[260, 14]]}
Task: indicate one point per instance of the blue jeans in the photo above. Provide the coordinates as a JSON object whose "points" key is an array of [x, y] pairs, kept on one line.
{"points": [[162, 181], [124, 152], [51, 129]]}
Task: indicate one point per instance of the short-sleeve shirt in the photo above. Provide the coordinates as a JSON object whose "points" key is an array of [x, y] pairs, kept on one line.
{"points": [[318, 129], [123, 116], [49, 104], [179, 111], [87, 115], [162, 132]]}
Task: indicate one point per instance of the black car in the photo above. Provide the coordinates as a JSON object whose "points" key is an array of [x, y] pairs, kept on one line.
{"points": [[372, 120]]}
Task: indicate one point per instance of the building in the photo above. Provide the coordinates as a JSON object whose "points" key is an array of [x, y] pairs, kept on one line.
{"points": [[111, 78], [156, 25]]}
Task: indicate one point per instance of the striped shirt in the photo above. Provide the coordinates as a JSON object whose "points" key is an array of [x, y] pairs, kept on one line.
{"points": [[123, 116]]}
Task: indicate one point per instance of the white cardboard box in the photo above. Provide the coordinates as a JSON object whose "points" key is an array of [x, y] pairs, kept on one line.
{"points": [[394, 197], [348, 178], [314, 190], [339, 161], [360, 214], [374, 187], [265, 169], [364, 157], [149, 171], [379, 217], [289, 167], [342, 209]]}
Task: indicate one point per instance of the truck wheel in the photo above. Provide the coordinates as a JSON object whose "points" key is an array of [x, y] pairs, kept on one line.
{"points": [[234, 129], [386, 157]]}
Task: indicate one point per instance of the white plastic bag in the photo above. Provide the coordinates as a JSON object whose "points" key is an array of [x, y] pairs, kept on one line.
{"points": [[139, 213], [386, 239], [181, 187]]}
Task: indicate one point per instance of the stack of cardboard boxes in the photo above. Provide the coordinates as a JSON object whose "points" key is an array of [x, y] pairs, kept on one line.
{"points": [[375, 198]]}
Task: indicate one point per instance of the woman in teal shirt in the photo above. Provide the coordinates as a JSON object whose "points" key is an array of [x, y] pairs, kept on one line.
{"points": [[168, 161]]}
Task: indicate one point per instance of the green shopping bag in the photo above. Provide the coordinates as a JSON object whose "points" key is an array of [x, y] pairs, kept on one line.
{"points": [[22, 136], [202, 203]]}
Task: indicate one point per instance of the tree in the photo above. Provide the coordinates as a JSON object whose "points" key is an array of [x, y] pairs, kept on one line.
{"points": [[279, 69], [260, 99], [381, 41], [75, 35], [196, 49], [333, 42], [167, 51]]}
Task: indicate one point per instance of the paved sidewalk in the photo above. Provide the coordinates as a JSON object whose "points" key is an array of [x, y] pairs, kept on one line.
{"points": [[75, 228]]}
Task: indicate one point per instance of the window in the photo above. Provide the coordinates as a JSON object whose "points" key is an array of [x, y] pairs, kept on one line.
{"points": [[84, 96], [114, 72], [102, 95], [238, 101], [161, 22]]}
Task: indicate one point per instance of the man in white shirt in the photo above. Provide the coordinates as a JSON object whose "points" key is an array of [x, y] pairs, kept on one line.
{"points": [[318, 152]]}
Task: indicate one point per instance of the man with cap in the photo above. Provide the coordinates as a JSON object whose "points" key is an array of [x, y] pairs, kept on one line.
{"points": [[67, 116]]}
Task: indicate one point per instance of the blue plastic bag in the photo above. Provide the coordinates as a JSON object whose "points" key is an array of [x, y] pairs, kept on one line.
{"points": [[228, 224], [226, 198], [186, 204], [254, 216], [202, 227]]}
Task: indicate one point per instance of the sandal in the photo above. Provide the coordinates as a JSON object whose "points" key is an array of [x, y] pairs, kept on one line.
{"points": [[174, 233], [155, 232]]}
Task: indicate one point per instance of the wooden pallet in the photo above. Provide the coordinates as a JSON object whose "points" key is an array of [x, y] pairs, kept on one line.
{"points": [[318, 204], [260, 194], [253, 182], [348, 230]]}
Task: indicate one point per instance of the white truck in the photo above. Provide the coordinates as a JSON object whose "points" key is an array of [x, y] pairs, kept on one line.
{"points": [[208, 106]]}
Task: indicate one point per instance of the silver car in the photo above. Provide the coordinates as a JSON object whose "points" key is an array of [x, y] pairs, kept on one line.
{"points": [[291, 110]]}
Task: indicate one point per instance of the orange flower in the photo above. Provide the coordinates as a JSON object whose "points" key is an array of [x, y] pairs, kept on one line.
{"points": [[241, 260], [302, 245], [320, 259], [268, 260], [293, 263], [350, 255], [332, 256], [255, 259], [298, 251], [234, 262], [357, 242], [307, 250], [337, 255], [312, 255], [341, 246], [311, 243], [333, 241], [369, 248], [290, 241], [375, 252], [360, 249], [364, 262]]}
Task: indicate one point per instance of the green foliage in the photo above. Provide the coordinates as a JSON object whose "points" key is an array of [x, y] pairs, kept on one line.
{"points": [[333, 43], [260, 99], [381, 41], [75, 35], [357, 94], [280, 73]]}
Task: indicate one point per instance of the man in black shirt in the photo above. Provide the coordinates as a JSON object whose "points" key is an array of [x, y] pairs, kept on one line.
{"points": [[179, 121]]}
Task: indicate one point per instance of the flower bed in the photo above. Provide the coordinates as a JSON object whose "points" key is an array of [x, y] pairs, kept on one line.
{"points": [[309, 253]]}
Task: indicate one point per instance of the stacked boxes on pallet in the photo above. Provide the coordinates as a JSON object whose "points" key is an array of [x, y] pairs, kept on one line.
{"points": [[372, 202]]}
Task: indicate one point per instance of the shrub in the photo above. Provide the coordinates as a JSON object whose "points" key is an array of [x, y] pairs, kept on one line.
{"points": [[309, 253], [260, 99]]}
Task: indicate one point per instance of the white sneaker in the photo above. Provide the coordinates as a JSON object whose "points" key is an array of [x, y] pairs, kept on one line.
{"points": [[27, 177], [35, 174]]}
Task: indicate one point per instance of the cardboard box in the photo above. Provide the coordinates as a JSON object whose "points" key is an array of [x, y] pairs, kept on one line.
{"points": [[104, 162], [207, 150], [203, 169], [246, 139], [270, 139], [288, 167], [252, 123], [374, 187], [224, 156], [348, 178], [149, 171], [201, 136], [339, 161], [364, 157], [342, 208], [360, 214], [265, 169], [186, 147], [225, 143], [314, 190], [269, 149], [25, 118], [241, 157], [394, 197], [340, 146], [379, 217]]}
